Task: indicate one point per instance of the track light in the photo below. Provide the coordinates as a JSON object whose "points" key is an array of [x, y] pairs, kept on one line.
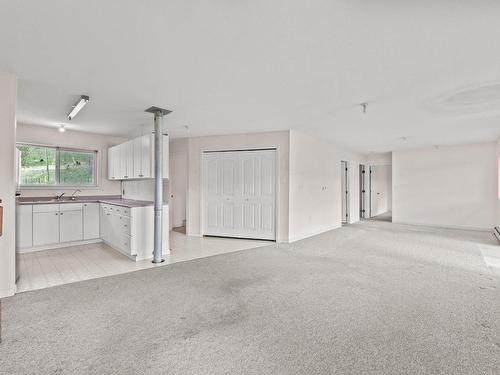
{"points": [[78, 106]]}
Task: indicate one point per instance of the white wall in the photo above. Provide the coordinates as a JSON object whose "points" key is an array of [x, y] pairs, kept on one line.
{"points": [[315, 185], [178, 181], [452, 186], [381, 189], [498, 173], [196, 145], [51, 136], [8, 101], [380, 158]]}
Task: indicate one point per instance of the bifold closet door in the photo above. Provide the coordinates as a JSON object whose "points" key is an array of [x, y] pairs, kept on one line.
{"points": [[240, 194]]}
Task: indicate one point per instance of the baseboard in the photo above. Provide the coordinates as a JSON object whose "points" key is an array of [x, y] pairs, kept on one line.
{"points": [[440, 226], [57, 246], [313, 233], [8, 292]]}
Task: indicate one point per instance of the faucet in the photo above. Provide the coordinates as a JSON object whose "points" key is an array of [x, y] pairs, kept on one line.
{"points": [[58, 197], [73, 195]]}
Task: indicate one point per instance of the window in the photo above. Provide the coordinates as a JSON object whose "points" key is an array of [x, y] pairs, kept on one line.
{"points": [[56, 166]]}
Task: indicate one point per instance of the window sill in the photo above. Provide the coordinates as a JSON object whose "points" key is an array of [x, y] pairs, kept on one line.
{"points": [[59, 187]]}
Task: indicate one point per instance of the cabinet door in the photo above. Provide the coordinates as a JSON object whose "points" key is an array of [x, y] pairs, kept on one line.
{"points": [[105, 226], [24, 226], [112, 172], [137, 142], [45, 228], [129, 159], [146, 157], [123, 161], [90, 221], [71, 226]]}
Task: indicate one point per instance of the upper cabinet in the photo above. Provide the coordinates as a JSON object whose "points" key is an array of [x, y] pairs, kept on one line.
{"points": [[135, 159]]}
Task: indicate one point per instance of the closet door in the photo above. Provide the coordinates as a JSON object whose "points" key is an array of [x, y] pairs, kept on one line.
{"points": [[240, 194], [222, 181]]}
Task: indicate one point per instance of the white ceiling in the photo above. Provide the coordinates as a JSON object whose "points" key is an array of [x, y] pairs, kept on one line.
{"points": [[226, 66]]}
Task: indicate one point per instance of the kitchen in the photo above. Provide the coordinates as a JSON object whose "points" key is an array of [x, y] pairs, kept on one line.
{"points": [[80, 189]]}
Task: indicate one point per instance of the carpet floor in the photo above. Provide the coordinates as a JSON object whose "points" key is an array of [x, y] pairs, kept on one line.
{"points": [[368, 298]]}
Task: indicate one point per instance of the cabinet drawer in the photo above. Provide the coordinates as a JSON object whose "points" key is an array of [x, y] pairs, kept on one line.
{"points": [[125, 224], [126, 245], [46, 208]]}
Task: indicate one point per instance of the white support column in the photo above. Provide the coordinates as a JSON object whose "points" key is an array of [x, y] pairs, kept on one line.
{"points": [[158, 222]]}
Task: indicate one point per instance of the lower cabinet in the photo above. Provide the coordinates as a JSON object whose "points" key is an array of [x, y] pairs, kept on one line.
{"points": [[131, 230], [43, 225], [45, 228], [90, 221], [71, 226]]}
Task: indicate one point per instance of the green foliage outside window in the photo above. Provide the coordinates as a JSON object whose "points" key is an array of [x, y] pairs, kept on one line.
{"points": [[49, 166]]}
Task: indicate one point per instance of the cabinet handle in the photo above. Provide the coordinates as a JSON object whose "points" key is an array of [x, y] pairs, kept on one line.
{"points": [[141, 175], [61, 213], [125, 176], [57, 214]]}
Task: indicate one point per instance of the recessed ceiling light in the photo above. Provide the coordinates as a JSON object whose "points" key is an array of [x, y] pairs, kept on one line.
{"points": [[78, 106], [62, 129]]}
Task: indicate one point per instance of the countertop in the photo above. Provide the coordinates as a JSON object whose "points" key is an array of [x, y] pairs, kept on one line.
{"points": [[108, 199]]}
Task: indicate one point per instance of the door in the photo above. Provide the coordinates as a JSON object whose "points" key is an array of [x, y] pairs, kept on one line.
{"points": [[45, 228], [380, 189], [363, 192], [178, 188], [240, 194], [90, 221], [344, 171], [71, 226]]}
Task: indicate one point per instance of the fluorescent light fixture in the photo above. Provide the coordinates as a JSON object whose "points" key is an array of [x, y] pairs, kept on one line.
{"points": [[62, 129], [78, 106]]}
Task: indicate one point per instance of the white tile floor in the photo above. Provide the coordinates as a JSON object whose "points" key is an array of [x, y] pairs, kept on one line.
{"points": [[48, 268]]}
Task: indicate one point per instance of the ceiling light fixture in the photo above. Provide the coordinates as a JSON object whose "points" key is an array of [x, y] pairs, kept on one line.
{"points": [[84, 99], [62, 129], [364, 105]]}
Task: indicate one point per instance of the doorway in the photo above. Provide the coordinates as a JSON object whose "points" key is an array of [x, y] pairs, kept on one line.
{"points": [[345, 191], [364, 196], [380, 187], [239, 194]]}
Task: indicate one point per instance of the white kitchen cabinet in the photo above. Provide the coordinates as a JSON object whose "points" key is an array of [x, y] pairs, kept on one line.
{"points": [[143, 156], [126, 161], [45, 227], [135, 159], [138, 158], [90, 221], [113, 163], [24, 226], [122, 151], [71, 226], [130, 230], [147, 156]]}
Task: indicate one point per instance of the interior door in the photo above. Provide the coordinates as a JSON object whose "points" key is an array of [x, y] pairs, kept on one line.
{"points": [[240, 194]]}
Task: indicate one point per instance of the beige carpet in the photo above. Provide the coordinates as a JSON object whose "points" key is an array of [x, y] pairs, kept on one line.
{"points": [[370, 298]]}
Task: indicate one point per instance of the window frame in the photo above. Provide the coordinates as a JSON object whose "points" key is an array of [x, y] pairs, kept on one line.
{"points": [[57, 184]]}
